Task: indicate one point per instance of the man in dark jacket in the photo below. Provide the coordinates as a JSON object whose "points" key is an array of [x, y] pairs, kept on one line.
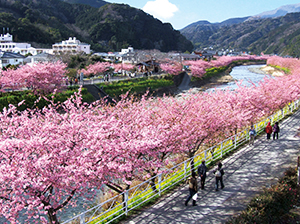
{"points": [[276, 130], [202, 169], [219, 172], [193, 188]]}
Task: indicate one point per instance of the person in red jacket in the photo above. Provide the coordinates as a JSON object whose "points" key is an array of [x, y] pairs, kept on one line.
{"points": [[269, 130]]}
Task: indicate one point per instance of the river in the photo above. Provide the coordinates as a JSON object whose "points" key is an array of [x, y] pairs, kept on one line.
{"points": [[247, 74]]}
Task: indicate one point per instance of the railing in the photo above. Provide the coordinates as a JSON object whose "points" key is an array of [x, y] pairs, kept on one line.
{"points": [[113, 209]]}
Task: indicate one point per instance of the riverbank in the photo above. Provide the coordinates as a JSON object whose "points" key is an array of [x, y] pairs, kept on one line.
{"points": [[272, 71], [198, 84], [224, 77]]}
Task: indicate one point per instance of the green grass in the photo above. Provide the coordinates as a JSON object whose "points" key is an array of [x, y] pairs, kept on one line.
{"points": [[139, 85], [17, 96], [285, 70]]}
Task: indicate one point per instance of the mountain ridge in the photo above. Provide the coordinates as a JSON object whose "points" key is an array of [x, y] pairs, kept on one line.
{"points": [[278, 35], [110, 27]]}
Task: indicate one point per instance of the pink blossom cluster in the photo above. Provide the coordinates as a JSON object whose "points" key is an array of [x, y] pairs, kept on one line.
{"points": [[101, 67], [173, 68], [292, 63], [122, 67], [42, 77], [98, 67], [49, 157]]}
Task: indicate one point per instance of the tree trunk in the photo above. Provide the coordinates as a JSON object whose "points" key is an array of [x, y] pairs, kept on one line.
{"points": [[52, 216], [152, 183]]}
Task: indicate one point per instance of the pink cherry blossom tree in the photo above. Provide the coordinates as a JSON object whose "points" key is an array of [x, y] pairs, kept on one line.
{"points": [[173, 67], [48, 159], [99, 67], [122, 67], [42, 77]]}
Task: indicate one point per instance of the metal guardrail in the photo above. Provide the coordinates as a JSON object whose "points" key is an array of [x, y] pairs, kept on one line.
{"points": [[113, 209]]}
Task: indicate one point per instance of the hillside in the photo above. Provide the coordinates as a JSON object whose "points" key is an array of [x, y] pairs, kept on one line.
{"points": [[93, 3], [108, 28], [200, 32], [278, 35]]}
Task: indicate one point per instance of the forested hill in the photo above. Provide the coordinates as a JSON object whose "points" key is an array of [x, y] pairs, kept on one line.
{"points": [[279, 35], [93, 3], [108, 28]]}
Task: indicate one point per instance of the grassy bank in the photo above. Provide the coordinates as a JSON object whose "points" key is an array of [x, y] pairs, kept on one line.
{"points": [[30, 99], [138, 85]]}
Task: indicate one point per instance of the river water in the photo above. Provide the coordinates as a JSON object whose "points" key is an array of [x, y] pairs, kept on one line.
{"points": [[247, 74]]}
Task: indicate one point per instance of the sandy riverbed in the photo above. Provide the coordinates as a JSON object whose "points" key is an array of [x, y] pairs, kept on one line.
{"points": [[272, 71]]}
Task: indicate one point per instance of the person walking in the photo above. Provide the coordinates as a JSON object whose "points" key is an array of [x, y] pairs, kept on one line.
{"points": [[252, 134], [269, 130], [193, 188], [276, 130], [219, 172], [202, 169]]}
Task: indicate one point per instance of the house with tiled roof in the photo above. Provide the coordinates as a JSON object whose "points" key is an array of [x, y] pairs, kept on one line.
{"points": [[11, 58]]}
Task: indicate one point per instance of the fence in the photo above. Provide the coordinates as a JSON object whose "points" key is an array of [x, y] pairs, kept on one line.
{"points": [[113, 209]]}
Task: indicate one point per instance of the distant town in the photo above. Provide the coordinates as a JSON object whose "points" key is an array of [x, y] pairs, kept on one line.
{"points": [[15, 53]]}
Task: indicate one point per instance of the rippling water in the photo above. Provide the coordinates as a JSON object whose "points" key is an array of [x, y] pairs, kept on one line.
{"points": [[248, 74]]}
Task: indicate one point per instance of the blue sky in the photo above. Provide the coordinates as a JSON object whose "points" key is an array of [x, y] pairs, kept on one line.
{"points": [[181, 13]]}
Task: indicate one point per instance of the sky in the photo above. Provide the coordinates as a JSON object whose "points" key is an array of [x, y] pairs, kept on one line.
{"points": [[181, 13]]}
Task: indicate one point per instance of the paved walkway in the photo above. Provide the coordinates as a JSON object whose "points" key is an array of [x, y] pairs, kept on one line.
{"points": [[246, 173]]}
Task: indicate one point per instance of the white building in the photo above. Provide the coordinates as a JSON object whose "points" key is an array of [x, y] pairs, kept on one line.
{"points": [[7, 45], [42, 57], [71, 46], [125, 56], [125, 51], [10, 58]]}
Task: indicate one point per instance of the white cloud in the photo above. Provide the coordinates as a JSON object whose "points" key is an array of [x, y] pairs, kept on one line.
{"points": [[161, 9]]}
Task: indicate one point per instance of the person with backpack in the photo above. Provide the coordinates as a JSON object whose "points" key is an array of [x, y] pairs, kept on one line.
{"points": [[219, 172], [202, 169], [275, 130], [193, 188], [269, 130], [252, 134]]}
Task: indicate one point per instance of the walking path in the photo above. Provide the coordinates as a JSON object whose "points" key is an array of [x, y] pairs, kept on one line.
{"points": [[246, 173]]}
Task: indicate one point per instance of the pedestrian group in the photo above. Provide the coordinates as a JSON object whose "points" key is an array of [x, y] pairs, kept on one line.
{"points": [[275, 130], [269, 130], [202, 170], [219, 172]]}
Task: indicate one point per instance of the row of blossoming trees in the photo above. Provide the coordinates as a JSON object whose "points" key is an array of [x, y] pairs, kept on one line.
{"points": [[198, 68], [101, 67], [45, 77], [50, 157]]}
